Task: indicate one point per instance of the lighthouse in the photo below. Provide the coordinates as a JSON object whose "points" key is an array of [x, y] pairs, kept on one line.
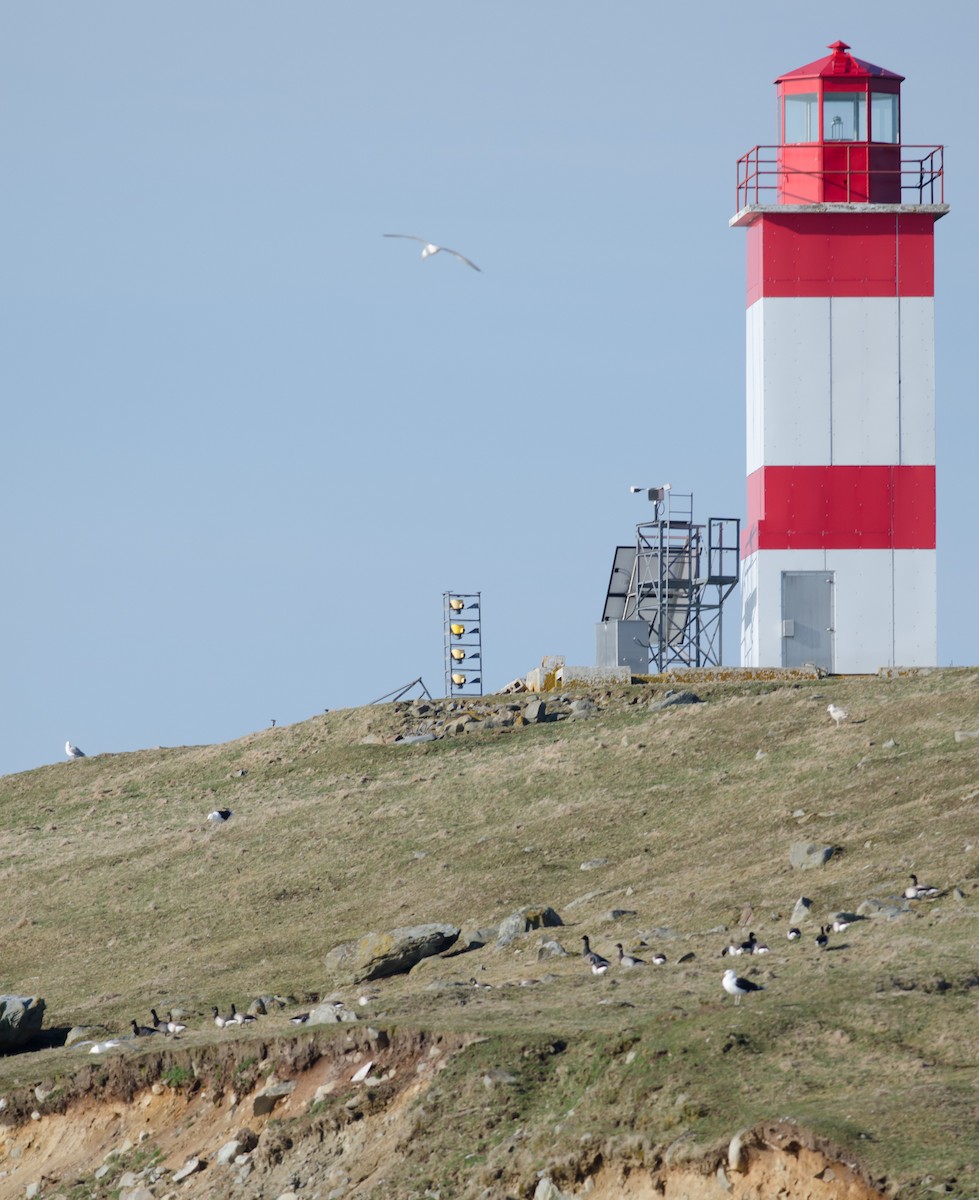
{"points": [[838, 549]]}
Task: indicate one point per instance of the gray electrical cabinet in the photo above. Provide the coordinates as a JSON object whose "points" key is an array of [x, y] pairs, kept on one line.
{"points": [[623, 644]]}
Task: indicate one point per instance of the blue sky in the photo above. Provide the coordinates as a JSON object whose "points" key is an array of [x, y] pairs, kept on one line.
{"points": [[248, 442]]}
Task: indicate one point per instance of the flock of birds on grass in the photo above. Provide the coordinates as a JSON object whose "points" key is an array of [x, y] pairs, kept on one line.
{"points": [[170, 1027], [733, 983]]}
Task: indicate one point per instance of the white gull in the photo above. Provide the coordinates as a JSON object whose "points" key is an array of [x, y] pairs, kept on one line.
{"points": [[429, 248]]}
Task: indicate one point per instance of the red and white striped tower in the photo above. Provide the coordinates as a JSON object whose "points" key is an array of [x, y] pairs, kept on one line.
{"points": [[838, 550]]}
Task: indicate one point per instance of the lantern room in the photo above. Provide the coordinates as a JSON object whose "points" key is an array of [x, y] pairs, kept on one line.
{"points": [[839, 126]]}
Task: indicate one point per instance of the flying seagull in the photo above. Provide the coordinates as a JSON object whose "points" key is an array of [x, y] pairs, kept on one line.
{"points": [[737, 987], [73, 751], [101, 1047], [429, 248]]}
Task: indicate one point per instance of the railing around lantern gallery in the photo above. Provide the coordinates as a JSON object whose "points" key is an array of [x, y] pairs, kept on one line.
{"points": [[841, 172]]}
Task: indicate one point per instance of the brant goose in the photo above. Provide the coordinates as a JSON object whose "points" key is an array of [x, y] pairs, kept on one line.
{"points": [[920, 891], [628, 960], [598, 964], [143, 1030]]}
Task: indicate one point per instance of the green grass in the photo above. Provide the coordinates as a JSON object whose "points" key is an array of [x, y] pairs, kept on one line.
{"points": [[119, 897]]}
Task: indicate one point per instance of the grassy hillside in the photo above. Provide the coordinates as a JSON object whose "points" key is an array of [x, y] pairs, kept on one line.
{"points": [[117, 896]]}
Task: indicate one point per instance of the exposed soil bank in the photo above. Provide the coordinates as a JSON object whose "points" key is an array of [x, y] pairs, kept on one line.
{"points": [[345, 1125]]}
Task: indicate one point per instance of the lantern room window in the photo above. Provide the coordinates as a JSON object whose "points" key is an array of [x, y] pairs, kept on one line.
{"points": [[845, 117], [884, 118], [802, 118]]}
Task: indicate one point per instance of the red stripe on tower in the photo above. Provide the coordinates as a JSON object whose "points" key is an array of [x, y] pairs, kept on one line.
{"points": [[841, 508], [839, 544], [846, 254]]}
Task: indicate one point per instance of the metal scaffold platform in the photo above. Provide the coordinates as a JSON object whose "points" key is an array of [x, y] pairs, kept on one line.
{"points": [[666, 592]]}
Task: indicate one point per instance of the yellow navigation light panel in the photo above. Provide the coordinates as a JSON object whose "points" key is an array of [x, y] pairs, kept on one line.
{"points": [[462, 643]]}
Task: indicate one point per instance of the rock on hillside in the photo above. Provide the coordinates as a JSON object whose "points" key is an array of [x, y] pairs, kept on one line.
{"points": [[376, 955], [20, 1020]]}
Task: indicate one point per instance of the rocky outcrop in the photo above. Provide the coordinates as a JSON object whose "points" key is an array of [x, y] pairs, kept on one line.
{"points": [[804, 856], [431, 720], [376, 955], [673, 698], [330, 1012], [525, 919], [20, 1020]]}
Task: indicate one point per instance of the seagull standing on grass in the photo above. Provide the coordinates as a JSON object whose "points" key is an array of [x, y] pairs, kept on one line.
{"points": [[73, 751], [737, 987], [838, 714], [429, 248]]}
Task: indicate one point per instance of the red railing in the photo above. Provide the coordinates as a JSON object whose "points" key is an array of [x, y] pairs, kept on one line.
{"points": [[764, 176]]}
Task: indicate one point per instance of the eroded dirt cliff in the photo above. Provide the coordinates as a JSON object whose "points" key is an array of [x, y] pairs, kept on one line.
{"points": [[349, 1118]]}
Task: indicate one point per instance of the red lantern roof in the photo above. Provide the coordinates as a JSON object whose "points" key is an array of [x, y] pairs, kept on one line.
{"points": [[837, 64]]}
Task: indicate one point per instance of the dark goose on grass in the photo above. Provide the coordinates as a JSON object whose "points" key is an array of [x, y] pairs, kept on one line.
{"points": [[598, 964], [628, 960]]}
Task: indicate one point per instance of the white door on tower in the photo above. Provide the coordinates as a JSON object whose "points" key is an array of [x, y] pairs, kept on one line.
{"points": [[807, 619]]}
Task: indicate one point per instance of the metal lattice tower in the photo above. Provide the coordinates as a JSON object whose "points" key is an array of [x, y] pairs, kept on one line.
{"points": [[463, 643], [671, 585]]}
